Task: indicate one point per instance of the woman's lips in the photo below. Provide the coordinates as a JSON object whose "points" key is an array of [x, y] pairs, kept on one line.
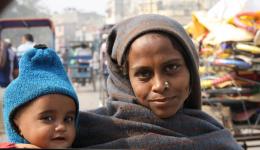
{"points": [[163, 99]]}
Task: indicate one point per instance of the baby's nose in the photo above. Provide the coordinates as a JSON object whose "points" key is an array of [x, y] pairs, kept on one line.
{"points": [[60, 127]]}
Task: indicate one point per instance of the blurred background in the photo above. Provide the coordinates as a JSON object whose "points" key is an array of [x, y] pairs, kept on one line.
{"points": [[225, 33], [66, 26], [82, 20]]}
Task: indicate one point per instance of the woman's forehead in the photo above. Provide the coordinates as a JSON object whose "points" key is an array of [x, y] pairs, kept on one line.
{"points": [[154, 42], [151, 36], [148, 47]]}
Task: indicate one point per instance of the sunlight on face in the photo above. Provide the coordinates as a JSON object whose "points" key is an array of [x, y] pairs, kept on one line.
{"points": [[152, 60], [48, 121]]}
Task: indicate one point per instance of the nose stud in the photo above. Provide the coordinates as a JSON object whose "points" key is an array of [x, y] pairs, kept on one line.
{"points": [[166, 85]]}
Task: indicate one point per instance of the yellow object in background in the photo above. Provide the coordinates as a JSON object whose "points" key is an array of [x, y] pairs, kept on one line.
{"points": [[204, 70], [248, 48], [205, 52], [206, 84], [217, 31], [196, 29]]}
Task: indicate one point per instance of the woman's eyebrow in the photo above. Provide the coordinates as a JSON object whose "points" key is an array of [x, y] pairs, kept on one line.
{"points": [[136, 67], [173, 60]]}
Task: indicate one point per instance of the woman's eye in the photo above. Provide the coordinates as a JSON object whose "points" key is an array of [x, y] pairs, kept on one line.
{"points": [[143, 74], [172, 68], [69, 119]]}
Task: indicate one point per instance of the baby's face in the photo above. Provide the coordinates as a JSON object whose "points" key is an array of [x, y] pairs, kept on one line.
{"points": [[48, 121], [152, 61]]}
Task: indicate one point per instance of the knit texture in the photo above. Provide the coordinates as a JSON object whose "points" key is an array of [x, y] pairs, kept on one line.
{"points": [[40, 73]]}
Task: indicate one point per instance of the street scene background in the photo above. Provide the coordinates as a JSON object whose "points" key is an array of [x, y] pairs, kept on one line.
{"points": [[225, 33]]}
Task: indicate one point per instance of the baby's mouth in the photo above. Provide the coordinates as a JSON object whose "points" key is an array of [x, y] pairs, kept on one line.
{"points": [[59, 139]]}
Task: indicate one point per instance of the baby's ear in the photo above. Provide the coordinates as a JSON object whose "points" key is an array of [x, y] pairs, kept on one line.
{"points": [[16, 123], [16, 119]]}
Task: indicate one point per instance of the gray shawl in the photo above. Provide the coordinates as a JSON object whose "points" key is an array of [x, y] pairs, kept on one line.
{"points": [[123, 123]]}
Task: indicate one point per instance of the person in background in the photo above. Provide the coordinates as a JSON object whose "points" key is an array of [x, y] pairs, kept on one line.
{"points": [[65, 57], [154, 93], [33, 115], [8, 71], [27, 43], [8, 64], [102, 57], [9, 44], [83, 51]]}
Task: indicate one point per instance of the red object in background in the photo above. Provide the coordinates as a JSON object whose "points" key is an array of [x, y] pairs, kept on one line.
{"points": [[7, 145], [223, 79], [250, 75]]}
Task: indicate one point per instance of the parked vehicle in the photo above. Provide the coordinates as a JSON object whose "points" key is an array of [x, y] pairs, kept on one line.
{"points": [[29, 23]]}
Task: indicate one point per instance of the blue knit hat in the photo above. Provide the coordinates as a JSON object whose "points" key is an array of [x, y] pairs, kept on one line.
{"points": [[40, 72]]}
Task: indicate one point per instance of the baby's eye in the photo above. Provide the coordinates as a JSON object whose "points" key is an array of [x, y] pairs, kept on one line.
{"points": [[47, 118], [69, 119]]}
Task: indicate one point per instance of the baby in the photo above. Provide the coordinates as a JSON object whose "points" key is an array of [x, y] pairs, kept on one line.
{"points": [[41, 106]]}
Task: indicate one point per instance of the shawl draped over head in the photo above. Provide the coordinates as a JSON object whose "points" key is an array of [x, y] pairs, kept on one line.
{"points": [[123, 123]]}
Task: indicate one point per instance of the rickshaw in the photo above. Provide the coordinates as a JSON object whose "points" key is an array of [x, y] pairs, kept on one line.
{"points": [[80, 68], [28, 23]]}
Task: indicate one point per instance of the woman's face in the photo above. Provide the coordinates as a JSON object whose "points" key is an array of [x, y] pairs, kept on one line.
{"points": [[152, 61]]}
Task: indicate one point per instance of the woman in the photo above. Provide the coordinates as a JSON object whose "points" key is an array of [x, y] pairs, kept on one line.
{"points": [[154, 92]]}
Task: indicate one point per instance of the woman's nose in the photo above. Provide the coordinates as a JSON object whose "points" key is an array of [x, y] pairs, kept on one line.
{"points": [[158, 84]]}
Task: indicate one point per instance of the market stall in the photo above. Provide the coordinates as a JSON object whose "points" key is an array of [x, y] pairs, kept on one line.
{"points": [[228, 43]]}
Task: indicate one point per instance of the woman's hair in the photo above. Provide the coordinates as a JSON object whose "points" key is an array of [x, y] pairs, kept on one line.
{"points": [[3, 54]]}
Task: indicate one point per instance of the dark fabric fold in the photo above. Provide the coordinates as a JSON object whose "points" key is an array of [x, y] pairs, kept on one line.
{"points": [[125, 125]]}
